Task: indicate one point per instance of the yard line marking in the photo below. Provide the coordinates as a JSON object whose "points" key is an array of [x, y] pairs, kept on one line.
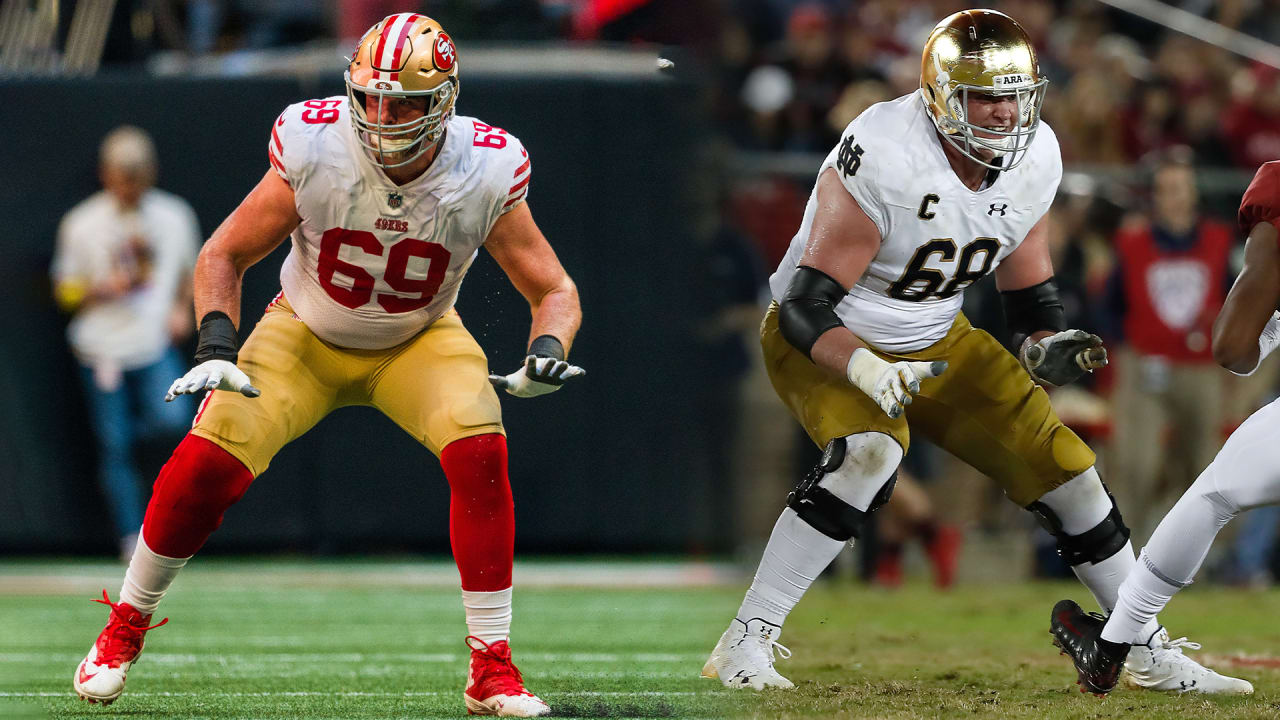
{"points": [[22, 579]]}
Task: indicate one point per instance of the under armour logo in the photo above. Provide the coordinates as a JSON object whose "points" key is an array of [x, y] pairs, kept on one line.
{"points": [[998, 209]]}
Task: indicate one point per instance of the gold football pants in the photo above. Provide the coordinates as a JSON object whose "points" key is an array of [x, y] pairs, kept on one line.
{"points": [[434, 386], [984, 409]]}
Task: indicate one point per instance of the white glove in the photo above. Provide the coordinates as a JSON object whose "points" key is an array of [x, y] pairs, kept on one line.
{"points": [[212, 375], [890, 385], [539, 376], [1267, 342]]}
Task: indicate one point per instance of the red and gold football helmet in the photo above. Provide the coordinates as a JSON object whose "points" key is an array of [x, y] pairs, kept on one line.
{"points": [[406, 55], [982, 51]]}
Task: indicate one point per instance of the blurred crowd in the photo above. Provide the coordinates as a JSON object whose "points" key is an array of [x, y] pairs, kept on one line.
{"points": [[795, 73]]}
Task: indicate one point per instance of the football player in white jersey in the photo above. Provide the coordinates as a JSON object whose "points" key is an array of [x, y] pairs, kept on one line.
{"points": [[387, 196], [1245, 474], [923, 196]]}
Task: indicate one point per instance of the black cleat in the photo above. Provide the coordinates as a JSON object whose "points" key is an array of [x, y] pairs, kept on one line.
{"points": [[1079, 634]]}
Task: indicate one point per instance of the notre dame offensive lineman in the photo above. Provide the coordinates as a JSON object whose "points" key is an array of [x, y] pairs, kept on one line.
{"points": [[923, 196]]}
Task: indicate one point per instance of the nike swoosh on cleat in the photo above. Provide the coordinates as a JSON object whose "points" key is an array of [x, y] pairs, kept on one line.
{"points": [[84, 677]]}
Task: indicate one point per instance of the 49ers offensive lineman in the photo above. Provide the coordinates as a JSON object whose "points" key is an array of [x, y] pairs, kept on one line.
{"points": [[385, 221]]}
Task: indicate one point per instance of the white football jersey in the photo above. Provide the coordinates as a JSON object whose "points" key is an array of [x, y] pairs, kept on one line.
{"points": [[373, 263], [937, 235]]}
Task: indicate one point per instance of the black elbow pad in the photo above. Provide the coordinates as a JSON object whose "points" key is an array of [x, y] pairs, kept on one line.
{"points": [[1033, 309], [808, 309]]}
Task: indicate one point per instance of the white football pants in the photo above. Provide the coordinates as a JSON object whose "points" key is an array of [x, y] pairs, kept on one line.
{"points": [[1245, 474]]}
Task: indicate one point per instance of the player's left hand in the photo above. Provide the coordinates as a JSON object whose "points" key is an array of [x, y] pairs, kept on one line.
{"points": [[539, 376], [1063, 357]]}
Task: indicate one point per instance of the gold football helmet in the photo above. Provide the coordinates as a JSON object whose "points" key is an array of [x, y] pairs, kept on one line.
{"points": [[982, 51], [406, 55]]}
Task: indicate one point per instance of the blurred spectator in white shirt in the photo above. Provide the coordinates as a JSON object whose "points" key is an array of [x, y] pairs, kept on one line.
{"points": [[123, 269]]}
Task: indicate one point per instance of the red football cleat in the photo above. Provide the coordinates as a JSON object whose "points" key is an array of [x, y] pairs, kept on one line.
{"points": [[943, 554], [494, 684], [100, 676], [888, 571]]}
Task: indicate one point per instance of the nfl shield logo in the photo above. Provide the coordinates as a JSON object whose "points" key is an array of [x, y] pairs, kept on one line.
{"points": [[394, 200]]}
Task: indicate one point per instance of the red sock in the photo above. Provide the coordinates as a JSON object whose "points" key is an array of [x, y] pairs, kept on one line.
{"points": [[482, 519], [197, 485]]}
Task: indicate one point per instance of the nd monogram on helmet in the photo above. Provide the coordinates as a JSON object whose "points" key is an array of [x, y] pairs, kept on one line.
{"points": [[406, 55], [982, 51]]}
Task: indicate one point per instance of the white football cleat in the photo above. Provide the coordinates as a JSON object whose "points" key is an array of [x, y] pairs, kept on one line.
{"points": [[744, 656], [1160, 665], [494, 684], [100, 676]]}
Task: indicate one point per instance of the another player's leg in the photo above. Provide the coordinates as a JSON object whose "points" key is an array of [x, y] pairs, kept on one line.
{"points": [[200, 481], [912, 515], [1241, 477], [854, 478]]}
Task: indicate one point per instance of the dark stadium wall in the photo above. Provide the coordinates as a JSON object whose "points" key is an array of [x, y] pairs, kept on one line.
{"points": [[607, 465]]}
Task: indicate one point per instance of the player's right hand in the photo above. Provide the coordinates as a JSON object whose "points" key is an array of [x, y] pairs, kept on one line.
{"points": [[212, 375], [890, 385]]}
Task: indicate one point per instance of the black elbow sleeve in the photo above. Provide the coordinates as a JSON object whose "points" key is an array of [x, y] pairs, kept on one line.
{"points": [[808, 309], [1033, 309]]}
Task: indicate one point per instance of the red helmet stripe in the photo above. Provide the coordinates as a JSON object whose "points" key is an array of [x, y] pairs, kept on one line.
{"points": [[387, 53], [400, 43], [376, 60]]}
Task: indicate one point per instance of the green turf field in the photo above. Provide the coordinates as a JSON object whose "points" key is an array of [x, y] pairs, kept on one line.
{"points": [[259, 639]]}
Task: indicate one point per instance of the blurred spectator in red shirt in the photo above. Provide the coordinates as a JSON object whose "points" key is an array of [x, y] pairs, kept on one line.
{"points": [[1172, 275]]}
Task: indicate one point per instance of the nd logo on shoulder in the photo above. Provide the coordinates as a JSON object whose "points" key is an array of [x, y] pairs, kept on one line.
{"points": [[849, 159]]}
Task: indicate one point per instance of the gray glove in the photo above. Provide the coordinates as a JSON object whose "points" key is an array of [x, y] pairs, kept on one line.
{"points": [[1063, 357]]}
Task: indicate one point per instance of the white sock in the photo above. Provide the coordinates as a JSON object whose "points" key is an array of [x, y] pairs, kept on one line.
{"points": [[148, 577], [1176, 549], [1142, 596], [488, 614], [795, 556], [1104, 577]]}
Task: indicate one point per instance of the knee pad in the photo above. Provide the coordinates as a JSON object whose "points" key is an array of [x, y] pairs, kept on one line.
{"points": [[1093, 545], [824, 510]]}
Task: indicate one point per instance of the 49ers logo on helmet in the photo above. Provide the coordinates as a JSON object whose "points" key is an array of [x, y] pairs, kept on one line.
{"points": [[443, 55]]}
